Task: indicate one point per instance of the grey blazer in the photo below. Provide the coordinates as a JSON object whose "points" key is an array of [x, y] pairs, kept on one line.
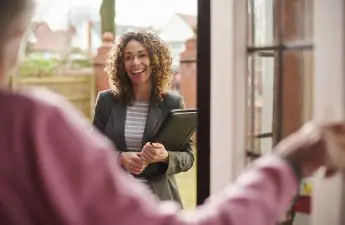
{"points": [[109, 118]]}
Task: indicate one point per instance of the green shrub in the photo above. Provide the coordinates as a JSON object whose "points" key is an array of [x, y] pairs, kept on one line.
{"points": [[38, 67], [46, 64]]}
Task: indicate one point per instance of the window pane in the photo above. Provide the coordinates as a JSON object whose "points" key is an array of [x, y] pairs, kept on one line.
{"points": [[293, 91], [260, 103], [288, 20], [260, 22], [307, 71], [298, 23], [264, 86]]}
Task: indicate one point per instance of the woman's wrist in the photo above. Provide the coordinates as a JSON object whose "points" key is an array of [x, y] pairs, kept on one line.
{"points": [[296, 168], [166, 157]]}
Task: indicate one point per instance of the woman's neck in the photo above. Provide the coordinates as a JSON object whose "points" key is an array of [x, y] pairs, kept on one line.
{"points": [[142, 92]]}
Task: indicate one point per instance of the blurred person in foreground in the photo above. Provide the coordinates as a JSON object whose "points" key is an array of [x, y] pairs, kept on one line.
{"points": [[53, 172]]}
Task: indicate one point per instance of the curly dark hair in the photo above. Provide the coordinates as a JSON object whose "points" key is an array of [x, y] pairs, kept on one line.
{"points": [[160, 61]]}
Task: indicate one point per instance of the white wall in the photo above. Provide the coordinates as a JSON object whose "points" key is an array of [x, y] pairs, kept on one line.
{"points": [[176, 30]]}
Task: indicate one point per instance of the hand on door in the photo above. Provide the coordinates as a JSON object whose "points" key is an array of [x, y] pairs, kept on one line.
{"points": [[315, 146]]}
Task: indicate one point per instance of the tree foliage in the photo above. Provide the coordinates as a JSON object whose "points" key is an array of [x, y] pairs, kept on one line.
{"points": [[107, 12]]}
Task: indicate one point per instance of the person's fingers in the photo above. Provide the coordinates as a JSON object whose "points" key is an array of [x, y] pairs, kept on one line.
{"points": [[158, 146], [144, 161], [138, 161], [137, 166], [338, 128], [156, 151], [334, 139], [130, 155], [147, 156], [137, 171], [143, 156], [329, 172], [146, 145], [152, 152]]}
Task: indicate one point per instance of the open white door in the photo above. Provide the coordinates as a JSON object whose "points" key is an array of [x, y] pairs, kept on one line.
{"points": [[329, 101], [228, 90]]}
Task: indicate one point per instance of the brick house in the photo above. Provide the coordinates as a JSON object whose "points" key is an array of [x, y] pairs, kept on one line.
{"points": [[46, 39]]}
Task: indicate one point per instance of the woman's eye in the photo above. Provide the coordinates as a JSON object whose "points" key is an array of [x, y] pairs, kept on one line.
{"points": [[142, 55], [127, 58]]}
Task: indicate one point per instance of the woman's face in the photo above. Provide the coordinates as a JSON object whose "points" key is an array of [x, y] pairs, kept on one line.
{"points": [[137, 63]]}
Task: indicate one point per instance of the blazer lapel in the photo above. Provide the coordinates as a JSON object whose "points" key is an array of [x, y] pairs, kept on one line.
{"points": [[118, 123], [153, 122]]}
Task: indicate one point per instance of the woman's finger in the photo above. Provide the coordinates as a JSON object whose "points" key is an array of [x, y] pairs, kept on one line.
{"points": [[137, 162], [143, 159], [146, 156], [156, 145], [152, 152], [135, 171]]}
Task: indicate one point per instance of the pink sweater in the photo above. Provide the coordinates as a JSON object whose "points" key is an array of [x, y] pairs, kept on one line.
{"points": [[54, 171]]}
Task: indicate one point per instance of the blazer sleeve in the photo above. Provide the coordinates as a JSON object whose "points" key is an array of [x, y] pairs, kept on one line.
{"points": [[102, 110], [183, 160]]}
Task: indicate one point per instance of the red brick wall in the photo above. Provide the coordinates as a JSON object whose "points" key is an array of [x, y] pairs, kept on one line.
{"points": [[57, 41], [188, 74], [102, 81]]}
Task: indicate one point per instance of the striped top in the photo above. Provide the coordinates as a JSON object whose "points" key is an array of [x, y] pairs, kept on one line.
{"points": [[135, 125], [134, 129]]}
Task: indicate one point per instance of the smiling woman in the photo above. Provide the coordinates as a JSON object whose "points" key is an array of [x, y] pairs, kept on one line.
{"points": [[140, 51], [137, 65], [131, 112]]}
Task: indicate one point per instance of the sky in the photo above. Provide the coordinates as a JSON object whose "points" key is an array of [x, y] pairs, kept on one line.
{"points": [[129, 12]]}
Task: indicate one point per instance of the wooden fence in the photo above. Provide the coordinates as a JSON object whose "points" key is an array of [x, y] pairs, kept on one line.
{"points": [[77, 88]]}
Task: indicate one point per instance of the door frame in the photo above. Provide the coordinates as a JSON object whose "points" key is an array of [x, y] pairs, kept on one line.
{"points": [[221, 93]]}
